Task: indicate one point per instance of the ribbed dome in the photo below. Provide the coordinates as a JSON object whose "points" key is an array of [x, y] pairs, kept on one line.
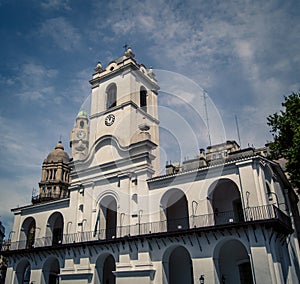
{"points": [[58, 154]]}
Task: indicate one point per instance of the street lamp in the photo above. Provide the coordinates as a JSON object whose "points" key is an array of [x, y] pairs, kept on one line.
{"points": [[69, 223], [270, 197]]}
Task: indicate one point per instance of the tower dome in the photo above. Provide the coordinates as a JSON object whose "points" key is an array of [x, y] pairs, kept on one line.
{"points": [[58, 155], [81, 113], [55, 178]]}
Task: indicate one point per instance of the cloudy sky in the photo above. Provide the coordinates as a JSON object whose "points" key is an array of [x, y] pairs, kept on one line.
{"points": [[245, 54]]}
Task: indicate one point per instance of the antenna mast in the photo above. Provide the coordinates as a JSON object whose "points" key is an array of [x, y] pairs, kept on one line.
{"points": [[206, 116], [238, 130]]}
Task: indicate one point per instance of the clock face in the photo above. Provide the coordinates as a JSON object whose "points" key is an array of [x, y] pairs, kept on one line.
{"points": [[109, 120], [80, 134]]}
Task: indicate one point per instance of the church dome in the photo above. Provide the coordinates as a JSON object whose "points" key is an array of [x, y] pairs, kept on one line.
{"points": [[58, 155], [82, 113]]}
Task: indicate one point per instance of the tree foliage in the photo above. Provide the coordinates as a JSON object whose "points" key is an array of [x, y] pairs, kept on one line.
{"points": [[285, 128]]}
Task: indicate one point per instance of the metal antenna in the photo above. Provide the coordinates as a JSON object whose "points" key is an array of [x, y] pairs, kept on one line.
{"points": [[206, 116], [238, 130]]}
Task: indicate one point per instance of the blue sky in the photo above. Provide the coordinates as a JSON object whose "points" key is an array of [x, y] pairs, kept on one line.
{"points": [[244, 53]]}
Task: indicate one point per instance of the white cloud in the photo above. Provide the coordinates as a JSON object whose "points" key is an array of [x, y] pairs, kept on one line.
{"points": [[62, 33], [244, 49], [34, 71], [34, 83], [55, 4], [18, 145]]}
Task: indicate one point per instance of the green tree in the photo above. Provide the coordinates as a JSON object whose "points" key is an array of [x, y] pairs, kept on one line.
{"points": [[285, 128]]}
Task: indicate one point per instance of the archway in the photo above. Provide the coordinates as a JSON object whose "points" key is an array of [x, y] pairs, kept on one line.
{"points": [[233, 263], [108, 219], [226, 202], [175, 206], [105, 266], [51, 270], [23, 272], [54, 230], [27, 236], [177, 266]]}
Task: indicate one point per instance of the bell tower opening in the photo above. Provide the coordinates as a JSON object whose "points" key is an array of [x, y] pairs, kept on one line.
{"points": [[111, 96], [143, 98]]}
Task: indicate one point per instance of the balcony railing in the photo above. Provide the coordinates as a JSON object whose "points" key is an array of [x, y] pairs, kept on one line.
{"points": [[229, 218], [48, 196]]}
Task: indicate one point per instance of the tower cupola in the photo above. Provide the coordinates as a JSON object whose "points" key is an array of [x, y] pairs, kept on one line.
{"points": [[55, 178]]}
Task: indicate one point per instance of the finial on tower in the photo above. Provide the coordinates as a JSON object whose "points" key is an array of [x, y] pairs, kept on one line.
{"points": [[98, 67], [128, 51]]}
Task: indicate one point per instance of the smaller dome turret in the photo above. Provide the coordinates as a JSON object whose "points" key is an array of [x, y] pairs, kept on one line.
{"points": [[82, 113], [58, 155], [55, 178]]}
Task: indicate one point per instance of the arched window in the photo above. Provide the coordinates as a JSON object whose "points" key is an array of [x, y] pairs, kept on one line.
{"points": [[143, 98], [111, 96], [268, 189]]}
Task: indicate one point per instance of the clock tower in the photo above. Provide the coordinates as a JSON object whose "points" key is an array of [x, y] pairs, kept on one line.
{"points": [[79, 138], [124, 113]]}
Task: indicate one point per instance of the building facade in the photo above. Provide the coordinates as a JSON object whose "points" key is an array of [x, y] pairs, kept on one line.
{"points": [[106, 215]]}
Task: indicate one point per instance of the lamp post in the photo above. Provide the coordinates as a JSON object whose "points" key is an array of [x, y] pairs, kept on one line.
{"points": [[140, 217], [194, 208], [69, 223], [11, 235], [247, 198], [276, 197]]}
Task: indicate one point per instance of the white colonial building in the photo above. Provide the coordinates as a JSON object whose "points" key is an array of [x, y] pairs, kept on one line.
{"points": [[107, 215]]}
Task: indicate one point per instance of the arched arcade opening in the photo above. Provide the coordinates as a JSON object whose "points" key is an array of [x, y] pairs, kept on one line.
{"points": [[27, 235], [23, 272], [54, 230], [226, 202], [177, 266], [232, 263], [108, 217], [105, 266], [51, 271], [175, 206]]}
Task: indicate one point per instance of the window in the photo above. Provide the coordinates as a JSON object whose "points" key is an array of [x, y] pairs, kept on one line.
{"points": [[111, 96], [143, 98], [268, 189]]}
